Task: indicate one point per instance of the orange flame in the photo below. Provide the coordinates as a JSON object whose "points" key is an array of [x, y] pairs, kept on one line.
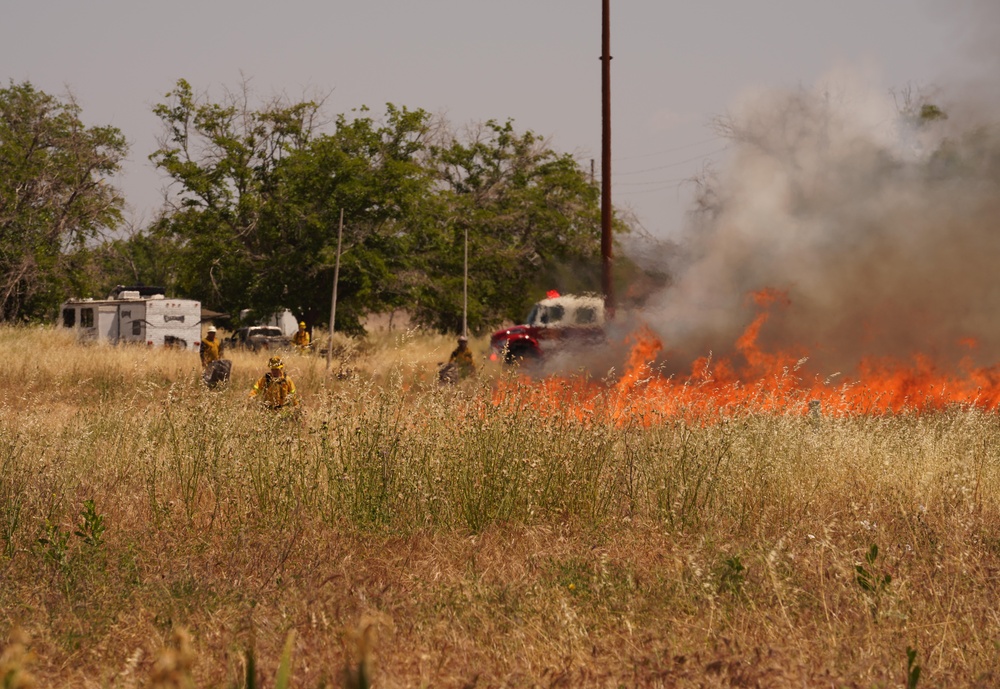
{"points": [[757, 381]]}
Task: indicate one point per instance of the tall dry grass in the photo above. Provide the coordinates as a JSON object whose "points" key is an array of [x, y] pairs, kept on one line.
{"points": [[461, 537]]}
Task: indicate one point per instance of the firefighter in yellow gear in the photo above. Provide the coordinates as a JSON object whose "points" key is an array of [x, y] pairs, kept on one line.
{"points": [[209, 347], [214, 369], [461, 358], [301, 338], [274, 389]]}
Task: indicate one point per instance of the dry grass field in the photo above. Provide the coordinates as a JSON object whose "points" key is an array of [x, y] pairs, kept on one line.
{"points": [[154, 533]]}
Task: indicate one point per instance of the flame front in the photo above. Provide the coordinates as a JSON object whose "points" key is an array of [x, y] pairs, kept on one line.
{"points": [[752, 380]]}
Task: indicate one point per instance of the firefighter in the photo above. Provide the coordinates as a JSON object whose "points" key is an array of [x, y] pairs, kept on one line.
{"points": [[274, 389], [214, 369], [209, 348], [460, 363], [301, 338]]}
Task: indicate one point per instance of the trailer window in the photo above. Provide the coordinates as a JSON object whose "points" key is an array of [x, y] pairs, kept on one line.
{"points": [[86, 318], [69, 318], [137, 327], [173, 341]]}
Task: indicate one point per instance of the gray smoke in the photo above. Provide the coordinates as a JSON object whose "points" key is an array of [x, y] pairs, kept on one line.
{"points": [[878, 214]]}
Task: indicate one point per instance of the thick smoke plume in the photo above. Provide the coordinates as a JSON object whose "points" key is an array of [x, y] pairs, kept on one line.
{"points": [[876, 214]]}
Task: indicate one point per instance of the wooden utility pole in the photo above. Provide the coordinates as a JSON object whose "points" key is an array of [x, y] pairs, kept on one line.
{"points": [[606, 281], [465, 288], [333, 301]]}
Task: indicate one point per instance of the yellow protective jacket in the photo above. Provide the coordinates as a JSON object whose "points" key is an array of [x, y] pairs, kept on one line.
{"points": [[300, 338], [209, 351], [462, 358], [275, 393]]}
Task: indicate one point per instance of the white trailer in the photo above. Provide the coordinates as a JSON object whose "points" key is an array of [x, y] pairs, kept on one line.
{"points": [[131, 316]]}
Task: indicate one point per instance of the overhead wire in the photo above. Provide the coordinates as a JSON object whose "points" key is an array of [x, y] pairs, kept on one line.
{"points": [[663, 184], [679, 162], [669, 150], [634, 192]]}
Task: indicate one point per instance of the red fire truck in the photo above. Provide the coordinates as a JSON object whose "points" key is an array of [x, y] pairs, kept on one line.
{"points": [[556, 322]]}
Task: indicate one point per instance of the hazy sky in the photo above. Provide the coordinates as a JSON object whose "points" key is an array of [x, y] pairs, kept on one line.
{"points": [[676, 66]]}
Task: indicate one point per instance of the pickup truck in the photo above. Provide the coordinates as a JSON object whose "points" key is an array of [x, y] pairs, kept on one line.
{"points": [[258, 338]]}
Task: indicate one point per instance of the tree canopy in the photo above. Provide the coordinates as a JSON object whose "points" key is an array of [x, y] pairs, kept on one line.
{"points": [[256, 193], [533, 223], [259, 196], [54, 197], [259, 192]]}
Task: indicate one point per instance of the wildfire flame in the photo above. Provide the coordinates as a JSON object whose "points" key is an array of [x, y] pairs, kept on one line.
{"points": [[756, 381]]}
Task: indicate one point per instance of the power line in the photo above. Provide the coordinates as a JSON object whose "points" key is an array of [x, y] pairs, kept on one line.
{"points": [[680, 162], [646, 184], [669, 150], [660, 184], [636, 192]]}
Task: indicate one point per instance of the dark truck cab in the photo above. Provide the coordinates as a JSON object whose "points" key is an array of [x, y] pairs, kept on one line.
{"points": [[556, 322]]}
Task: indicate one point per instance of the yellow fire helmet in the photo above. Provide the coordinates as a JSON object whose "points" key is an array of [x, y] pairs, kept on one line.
{"points": [[275, 362], [302, 324]]}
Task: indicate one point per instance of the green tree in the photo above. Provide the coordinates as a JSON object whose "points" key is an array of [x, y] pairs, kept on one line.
{"points": [[53, 197], [533, 222], [259, 196], [372, 171], [223, 159], [139, 258]]}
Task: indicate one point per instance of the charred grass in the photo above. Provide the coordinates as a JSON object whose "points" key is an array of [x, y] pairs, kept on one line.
{"points": [[156, 533]]}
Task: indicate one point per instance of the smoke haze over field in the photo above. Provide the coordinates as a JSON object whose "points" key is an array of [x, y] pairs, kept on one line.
{"points": [[879, 225]]}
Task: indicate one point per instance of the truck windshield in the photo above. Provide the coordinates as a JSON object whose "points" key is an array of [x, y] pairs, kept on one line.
{"points": [[546, 315], [554, 314]]}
